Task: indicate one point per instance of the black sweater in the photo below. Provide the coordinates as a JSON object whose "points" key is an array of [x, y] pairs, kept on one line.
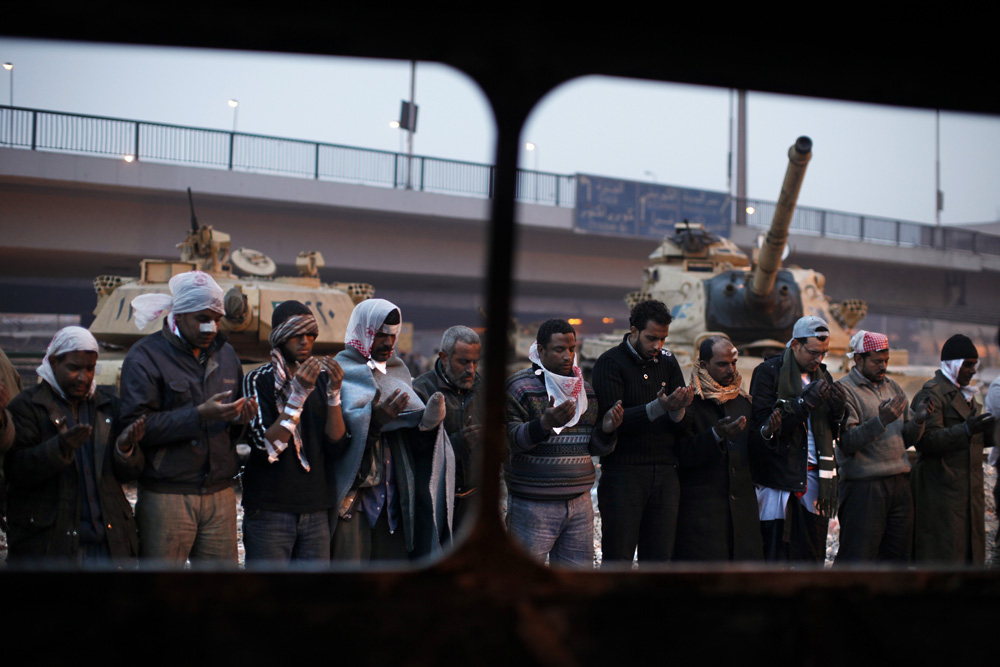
{"points": [[619, 374]]}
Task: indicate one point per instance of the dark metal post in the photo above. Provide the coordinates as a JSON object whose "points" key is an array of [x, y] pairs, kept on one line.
{"points": [[558, 179], [232, 138], [899, 229], [136, 147], [861, 228], [422, 174], [822, 223], [395, 170], [34, 129], [489, 183], [741, 157], [316, 172]]}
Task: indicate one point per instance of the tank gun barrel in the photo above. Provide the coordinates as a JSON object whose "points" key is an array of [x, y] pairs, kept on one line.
{"points": [[769, 260]]}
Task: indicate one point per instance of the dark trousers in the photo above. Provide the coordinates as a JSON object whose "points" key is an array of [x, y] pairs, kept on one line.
{"points": [[356, 541], [638, 505], [800, 536], [876, 519]]}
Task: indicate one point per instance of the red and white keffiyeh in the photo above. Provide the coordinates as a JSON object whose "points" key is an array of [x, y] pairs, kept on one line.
{"points": [[562, 387], [864, 342], [366, 321]]}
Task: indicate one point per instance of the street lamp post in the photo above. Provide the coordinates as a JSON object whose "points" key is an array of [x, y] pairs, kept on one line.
{"points": [[235, 104], [532, 148], [10, 68]]}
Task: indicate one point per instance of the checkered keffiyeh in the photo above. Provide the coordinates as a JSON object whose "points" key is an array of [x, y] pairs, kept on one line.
{"points": [[868, 341], [290, 328]]}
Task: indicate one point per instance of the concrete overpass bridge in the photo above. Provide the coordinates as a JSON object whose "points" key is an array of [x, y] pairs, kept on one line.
{"points": [[67, 217]]}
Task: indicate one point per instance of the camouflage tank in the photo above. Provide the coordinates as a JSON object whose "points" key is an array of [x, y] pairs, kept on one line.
{"points": [[712, 287], [249, 299]]}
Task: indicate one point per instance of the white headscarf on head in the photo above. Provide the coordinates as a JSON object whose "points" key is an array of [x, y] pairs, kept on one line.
{"points": [[562, 387], [950, 370], [69, 339], [367, 321], [189, 292]]}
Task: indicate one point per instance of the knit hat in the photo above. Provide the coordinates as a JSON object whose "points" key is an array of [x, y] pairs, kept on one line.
{"points": [[959, 346]]}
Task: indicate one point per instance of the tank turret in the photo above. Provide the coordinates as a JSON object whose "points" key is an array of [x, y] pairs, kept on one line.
{"points": [[251, 293], [713, 287]]}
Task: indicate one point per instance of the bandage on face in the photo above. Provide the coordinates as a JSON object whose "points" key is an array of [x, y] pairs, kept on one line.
{"points": [[208, 327]]}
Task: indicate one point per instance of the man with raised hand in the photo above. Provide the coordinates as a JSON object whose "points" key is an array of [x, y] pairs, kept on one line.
{"points": [[455, 376], [639, 493], [552, 433], [68, 462], [297, 430], [386, 510], [876, 505], [947, 478], [185, 379], [718, 519], [791, 458]]}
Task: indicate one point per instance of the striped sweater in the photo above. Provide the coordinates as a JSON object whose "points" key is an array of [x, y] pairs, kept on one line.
{"points": [[545, 465]]}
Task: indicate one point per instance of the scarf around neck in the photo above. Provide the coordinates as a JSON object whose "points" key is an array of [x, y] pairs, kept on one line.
{"points": [[710, 390], [296, 325], [950, 370], [562, 387]]}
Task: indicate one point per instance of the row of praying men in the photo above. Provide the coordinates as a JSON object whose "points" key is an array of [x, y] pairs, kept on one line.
{"points": [[706, 471], [354, 460]]}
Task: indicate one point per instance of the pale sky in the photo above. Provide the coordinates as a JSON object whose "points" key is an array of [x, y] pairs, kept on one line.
{"points": [[867, 159]]}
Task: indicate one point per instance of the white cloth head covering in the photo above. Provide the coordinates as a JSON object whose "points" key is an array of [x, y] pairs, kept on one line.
{"points": [[69, 339], [867, 341], [950, 370], [189, 292], [366, 321], [562, 387]]}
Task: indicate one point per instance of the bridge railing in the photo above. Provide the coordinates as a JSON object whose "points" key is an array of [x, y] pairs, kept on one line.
{"points": [[825, 223], [39, 130]]}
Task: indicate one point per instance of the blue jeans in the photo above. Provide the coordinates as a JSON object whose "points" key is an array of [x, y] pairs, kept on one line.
{"points": [[563, 530], [284, 536]]}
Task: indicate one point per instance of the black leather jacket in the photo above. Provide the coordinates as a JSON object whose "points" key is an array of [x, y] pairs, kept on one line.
{"points": [[163, 381], [780, 463]]}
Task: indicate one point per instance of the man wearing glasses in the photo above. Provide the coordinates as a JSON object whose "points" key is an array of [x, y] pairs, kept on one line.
{"points": [[791, 452]]}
